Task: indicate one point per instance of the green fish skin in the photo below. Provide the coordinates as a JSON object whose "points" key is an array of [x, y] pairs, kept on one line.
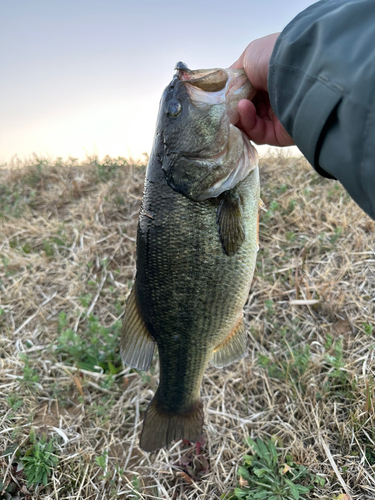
{"points": [[196, 249]]}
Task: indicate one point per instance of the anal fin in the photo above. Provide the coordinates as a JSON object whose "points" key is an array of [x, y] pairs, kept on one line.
{"points": [[232, 348], [137, 344], [230, 220]]}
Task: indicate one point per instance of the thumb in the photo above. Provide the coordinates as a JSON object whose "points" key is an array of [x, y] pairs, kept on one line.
{"points": [[255, 60]]}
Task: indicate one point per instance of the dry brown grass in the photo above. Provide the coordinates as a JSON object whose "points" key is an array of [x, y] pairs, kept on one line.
{"points": [[67, 245]]}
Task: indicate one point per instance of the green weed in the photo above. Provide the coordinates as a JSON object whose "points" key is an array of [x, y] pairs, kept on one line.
{"points": [[136, 483], [95, 348], [339, 381], [102, 461], [281, 189], [26, 248], [39, 461], [30, 376], [107, 168], [368, 328], [336, 236], [15, 402], [11, 202], [291, 205], [292, 368], [273, 207], [48, 249], [100, 409], [264, 477], [335, 360], [85, 299], [37, 173], [291, 236], [269, 305]]}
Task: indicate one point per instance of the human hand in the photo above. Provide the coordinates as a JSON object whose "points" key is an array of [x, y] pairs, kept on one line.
{"points": [[257, 118]]}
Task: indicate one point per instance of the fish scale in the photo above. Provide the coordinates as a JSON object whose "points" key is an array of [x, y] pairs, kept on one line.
{"points": [[195, 261]]}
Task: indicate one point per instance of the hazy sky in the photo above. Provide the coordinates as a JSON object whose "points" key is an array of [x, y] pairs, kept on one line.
{"points": [[86, 76]]}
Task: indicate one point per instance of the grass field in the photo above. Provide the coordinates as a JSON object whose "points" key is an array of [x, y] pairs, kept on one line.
{"points": [[70, 414]]}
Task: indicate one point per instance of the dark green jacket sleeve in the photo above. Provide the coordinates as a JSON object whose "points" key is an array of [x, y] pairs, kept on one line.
{"points": [[322, 89]]}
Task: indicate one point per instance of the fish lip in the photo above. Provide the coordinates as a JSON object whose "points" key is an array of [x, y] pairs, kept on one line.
{"points": [[181, 65]]}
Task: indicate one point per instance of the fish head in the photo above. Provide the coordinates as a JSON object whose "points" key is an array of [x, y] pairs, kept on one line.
{"points": [[203, 152]]}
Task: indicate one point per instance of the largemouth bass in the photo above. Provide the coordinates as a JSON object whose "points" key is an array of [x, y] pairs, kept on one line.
{"points": [[196, 247]]}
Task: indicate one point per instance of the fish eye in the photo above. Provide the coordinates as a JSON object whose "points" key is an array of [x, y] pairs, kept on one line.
{"points": [[174, 108]]}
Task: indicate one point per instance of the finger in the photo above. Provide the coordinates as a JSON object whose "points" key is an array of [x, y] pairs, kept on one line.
{"points": [[255, 127], [263, 110], [283, 138], [262, 130], [238, 64], [247, 113], [262, 103]]}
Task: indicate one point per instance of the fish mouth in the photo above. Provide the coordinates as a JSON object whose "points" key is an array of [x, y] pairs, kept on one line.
{"points": [[211, 80], [207, 87]]}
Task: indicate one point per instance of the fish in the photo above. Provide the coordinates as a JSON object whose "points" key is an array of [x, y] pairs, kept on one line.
{"points": [[196, 248]]}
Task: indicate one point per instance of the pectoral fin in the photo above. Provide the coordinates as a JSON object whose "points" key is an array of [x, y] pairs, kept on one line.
{"points": [[137, 344], [230, 220], [233, 347]]}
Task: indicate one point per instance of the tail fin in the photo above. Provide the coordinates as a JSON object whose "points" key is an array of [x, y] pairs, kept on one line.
{"points": [[161, 427]]}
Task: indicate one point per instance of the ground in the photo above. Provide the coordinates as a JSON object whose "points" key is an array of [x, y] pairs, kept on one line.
{"points": [[67, 247]]}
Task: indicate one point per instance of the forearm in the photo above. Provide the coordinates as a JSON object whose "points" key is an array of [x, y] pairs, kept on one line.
{"points": [[321, 85]]}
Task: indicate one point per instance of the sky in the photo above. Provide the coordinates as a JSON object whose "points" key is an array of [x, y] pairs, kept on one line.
{"points": [[84, 77]]}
